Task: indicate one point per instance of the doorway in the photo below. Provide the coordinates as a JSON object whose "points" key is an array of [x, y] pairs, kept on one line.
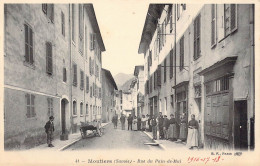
{"points": [[241, 131], [64, 119]]}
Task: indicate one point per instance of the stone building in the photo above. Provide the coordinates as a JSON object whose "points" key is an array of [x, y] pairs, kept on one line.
{"points": [[52, 59], [109, 92], [139, 75], [199, 59]]}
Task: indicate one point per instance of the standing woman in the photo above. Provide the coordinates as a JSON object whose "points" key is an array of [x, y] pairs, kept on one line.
{"points": [[172, 126], [143, 123], [135, 124], [192, 140], [138, 123], [183, 128]]}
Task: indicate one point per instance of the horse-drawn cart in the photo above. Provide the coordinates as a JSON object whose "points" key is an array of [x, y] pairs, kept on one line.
{"points": [[94, 126]]}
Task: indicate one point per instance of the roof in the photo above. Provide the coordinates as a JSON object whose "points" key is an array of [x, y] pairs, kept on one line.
{"points": [[110, 77], [94, 23], [153, 14], [137, 69]]}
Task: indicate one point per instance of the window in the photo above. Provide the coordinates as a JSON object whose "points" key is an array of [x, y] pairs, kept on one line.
{"points": [[73, 22], [164, 69], [86, 109], [48, 10], [49, 58], [90, 66], [171, 63], [91, 109], [172, 101], [218, 85], [28, 44], [230, 21], [30, 108], [87, 84], [86, 42], [64, 75], [62, 24], [81, 109], [93, 88], [74, 108], [100, 93], [50, 107], [92, 41], [178, 11], [81, 80], [170, 18], [80, 30], [90, 91], [197, 38], [165, 101], [155, 80], [159, 80], [213, 25], [151, 84], [182, 53], [75, 81]]}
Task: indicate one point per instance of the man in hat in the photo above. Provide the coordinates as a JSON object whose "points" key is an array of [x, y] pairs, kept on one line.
{"points": [[49, 129]]}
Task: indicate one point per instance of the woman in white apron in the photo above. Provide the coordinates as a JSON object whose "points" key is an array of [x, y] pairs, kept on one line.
{"points": [[192, 140]]}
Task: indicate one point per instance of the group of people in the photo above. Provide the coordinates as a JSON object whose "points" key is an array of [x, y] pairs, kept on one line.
{"points": [[169, 129]]}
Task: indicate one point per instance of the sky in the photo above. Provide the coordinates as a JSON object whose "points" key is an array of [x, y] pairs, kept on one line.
{"points": [[121, 25]]}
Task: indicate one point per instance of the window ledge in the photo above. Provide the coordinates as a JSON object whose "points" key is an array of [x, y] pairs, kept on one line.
{"points": [[74, 116], [81, 115], [32, 66]]}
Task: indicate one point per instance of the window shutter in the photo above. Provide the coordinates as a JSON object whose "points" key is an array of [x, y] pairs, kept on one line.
{"points": [[64, 75], [90, 91], [90, 65], [213, 25], [28, 103], [26, 36], [49, 58], [44, 8], [75, 75], [220, 21], [171, 63], [233, 17], [198, 37], [31, 45], [164, 77], [94, 41], [62, 24], [32, 106], [91, 41], [87, 84], [159, 75]]}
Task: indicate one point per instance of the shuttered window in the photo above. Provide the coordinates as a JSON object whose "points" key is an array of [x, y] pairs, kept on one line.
{"points": [[196, 38], [80, 29], [155, 80], [171, 63], [62, 24], [93, 88], [182, 53], [50, 107], [30, 107], [28, 44], [81, 80], [48, 10], [87, 84], [100, 93], [75, 80], [90, 66], [92, 41], [90, 90], [86, 109], [164, 70], [230, 14], [49, 67], [81, 109], [73, 22], [213, 25], [159, 75], [86, 42], [64, 75], [151, 84], [74, 108]]}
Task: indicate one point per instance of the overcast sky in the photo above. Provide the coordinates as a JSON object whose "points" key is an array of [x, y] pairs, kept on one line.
{"points": [[121, 24]]}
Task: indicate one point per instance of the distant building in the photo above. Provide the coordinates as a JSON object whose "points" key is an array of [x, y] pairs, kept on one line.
{"points": [[127, 105], [52, 66], [139, 74], [109, 92], [199, 59]]}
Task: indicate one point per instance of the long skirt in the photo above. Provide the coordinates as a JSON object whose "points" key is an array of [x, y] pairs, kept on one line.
{"points": [[143, 125], [175, 132], [170, 131], [135, 126], [192, 139], [183, 131]]}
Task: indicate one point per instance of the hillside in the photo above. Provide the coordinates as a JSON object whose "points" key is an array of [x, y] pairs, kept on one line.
{"points": [[122, 78]]}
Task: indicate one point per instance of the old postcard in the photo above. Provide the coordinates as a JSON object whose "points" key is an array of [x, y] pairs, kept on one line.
{"points": [[129, 82]]}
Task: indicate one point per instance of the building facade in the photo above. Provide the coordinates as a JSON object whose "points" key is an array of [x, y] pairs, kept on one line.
{"points": [[139, 75], [50, 64], [109, 92], [196, 63]]}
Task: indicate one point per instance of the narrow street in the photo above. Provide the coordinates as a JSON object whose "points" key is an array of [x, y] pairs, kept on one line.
{"points": [[115, 139]]}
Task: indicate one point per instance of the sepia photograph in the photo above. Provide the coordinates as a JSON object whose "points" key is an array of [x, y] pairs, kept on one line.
{"points": [[105, 77]]}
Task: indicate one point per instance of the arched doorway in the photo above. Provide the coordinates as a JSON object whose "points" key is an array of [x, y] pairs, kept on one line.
{"points": [[64, 117]]}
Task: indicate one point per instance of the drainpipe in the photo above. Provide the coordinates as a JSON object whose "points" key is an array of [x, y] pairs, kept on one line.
{"points": [[175, 52], [70, 82]]}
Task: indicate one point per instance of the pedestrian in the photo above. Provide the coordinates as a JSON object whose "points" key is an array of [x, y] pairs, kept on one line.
{"points": [[183, 128], [130, 121], [172, 127], [154, 127], [149, 126], [165, 127], [143, 122], [138, 123], [160, 125], [135, 123], [49, 129], [122, 120], [114, 121], [192, 140]]}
